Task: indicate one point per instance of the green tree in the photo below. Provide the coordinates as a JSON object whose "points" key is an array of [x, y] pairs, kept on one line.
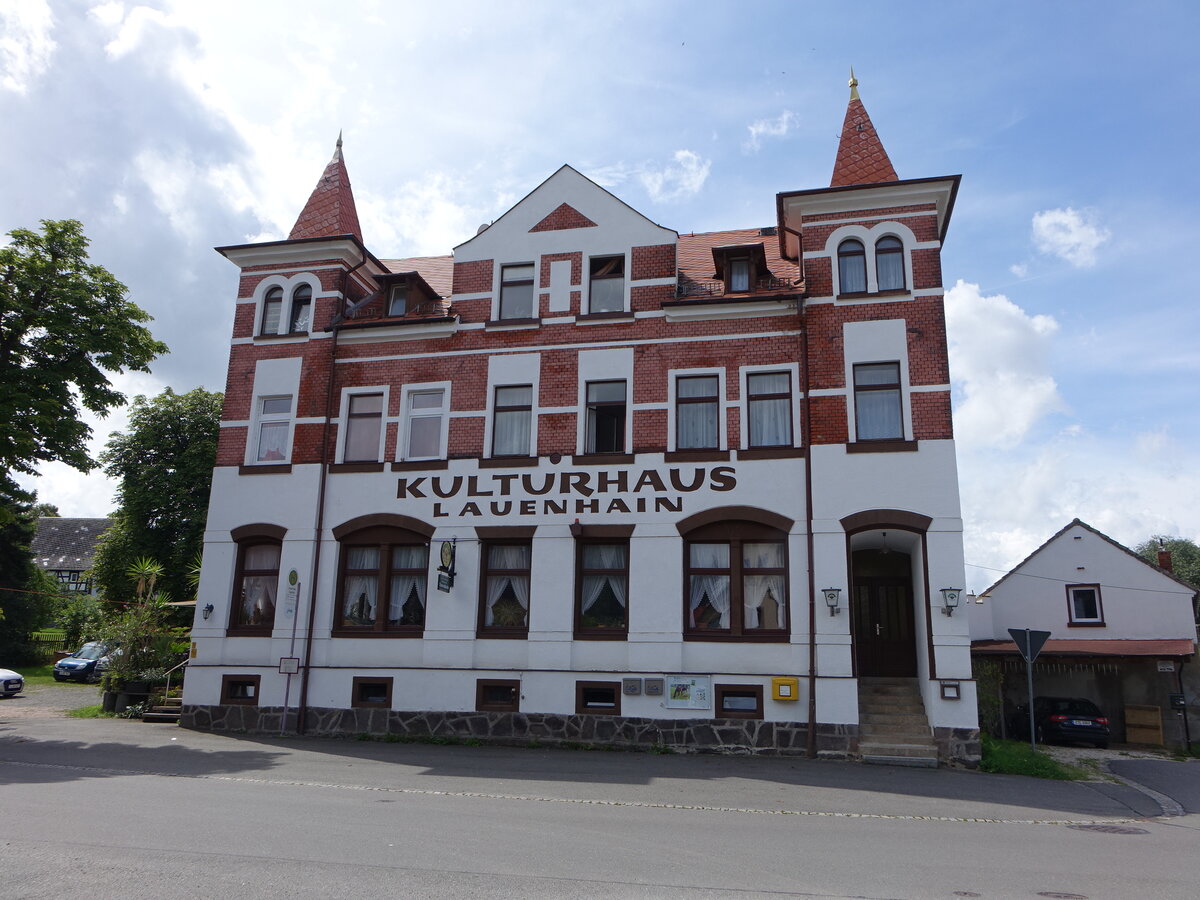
{"points": [[28, 596], [64, 324], [163, 464], [46, 509], [1185, 555]]}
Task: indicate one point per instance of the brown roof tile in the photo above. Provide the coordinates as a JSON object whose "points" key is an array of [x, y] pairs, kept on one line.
{"points": [[861, 158], [696, 258], [330, 208], [438, 271]]}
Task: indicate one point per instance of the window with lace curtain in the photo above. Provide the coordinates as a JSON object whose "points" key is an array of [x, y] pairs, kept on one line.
{"points": [[602, 588], [382, 582], [504, 589], [256, 585], [735, 582]]}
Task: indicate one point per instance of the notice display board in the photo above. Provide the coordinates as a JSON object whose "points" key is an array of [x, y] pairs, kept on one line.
{"points": [[689, 692]]}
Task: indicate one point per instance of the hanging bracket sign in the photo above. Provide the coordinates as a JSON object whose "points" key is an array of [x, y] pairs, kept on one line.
{"points": [[446, 569]]}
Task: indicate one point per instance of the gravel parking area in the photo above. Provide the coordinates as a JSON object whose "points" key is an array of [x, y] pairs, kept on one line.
{"points": [[47, 701]]}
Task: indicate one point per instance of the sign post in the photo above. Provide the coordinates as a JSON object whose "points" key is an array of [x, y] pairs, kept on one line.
{"points": [[1029, 644], [446, 570]]}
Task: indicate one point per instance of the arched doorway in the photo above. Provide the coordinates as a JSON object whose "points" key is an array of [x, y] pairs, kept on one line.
{"points": [[882, 604]]}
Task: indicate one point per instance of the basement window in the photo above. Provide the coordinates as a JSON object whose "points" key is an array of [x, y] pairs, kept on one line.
{"points": [[598, 698]]}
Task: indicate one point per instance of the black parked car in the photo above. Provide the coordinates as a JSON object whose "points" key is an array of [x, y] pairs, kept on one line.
{"points": [[1062, 720], [85, 664]]}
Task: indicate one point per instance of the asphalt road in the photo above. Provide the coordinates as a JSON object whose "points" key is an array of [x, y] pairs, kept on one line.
{"points": [[108, 808]]}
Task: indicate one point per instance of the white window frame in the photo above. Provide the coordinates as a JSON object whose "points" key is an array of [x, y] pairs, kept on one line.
{"points": [[288, 286], [260, 418], [534, 304], [343, 421], [673, 375], [887, 343], [402, 432], [586, 306], [868, 237], [1073, 619], [744, 373], [512, 370]]}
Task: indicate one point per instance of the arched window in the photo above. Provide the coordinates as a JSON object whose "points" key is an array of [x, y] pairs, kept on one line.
{"points": [[852, 267], [735, 582], [272, 310], [889, 263], [382, 580], [256, 579], [301, 309]]}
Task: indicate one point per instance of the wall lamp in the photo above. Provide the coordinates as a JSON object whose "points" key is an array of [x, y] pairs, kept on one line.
{"points": [[950, 598], [207, 611], [831, 599]]}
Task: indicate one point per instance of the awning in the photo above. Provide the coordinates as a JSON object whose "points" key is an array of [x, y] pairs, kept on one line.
{"points": [[1163, 647]]}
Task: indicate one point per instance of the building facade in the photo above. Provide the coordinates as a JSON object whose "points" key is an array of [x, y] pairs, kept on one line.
{"points": [[590, 479]]}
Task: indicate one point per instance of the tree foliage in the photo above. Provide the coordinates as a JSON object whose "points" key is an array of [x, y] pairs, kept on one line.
{"points": [[27, 595], [163, 464], [64, 324], [1185, 555]]}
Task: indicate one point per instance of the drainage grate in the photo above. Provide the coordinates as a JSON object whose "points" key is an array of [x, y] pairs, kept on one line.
{"points": [[1110, 829]]}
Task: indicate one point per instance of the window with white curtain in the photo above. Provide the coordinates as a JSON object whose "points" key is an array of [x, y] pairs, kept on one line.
{"points": [[769, 397], [256, 587], [424, 417], [736, 582], [384, 574], [364, 424], [602, 588], [697, 412], [852, 267], [878, 413], [272, 311], [504, 600], [889, 263], [512, 418], [274, 427]]}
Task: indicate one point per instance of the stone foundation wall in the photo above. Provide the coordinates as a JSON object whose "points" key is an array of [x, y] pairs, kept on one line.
{"points": [[744, 736], [958, 746]]}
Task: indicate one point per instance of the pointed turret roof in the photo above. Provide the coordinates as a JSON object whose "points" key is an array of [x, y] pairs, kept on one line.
{"points": [[330, 209], [861, 158]]}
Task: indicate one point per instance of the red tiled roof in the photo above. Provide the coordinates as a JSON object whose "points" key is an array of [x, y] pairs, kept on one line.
{"points": [[438, 271], [1161, 647], [330, 209], [696, 257], [861, 158]]}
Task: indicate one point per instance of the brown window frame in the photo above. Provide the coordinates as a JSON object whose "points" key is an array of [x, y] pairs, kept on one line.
{"points": [[729, 274], [400, 288], [589, 437], [505, 283], [597, 632], [1073, 622], [713, 400], [898, 250], [352, 416], [720, 691], [302, 296], [735, 534], [227, 681], [485, 551], [497, 410], [241, 629], [860, 255], [605, 264], [582, 686], [483, 705], [384, 538], [360, 681], [869, 388], [751, 397], [273, 296]]}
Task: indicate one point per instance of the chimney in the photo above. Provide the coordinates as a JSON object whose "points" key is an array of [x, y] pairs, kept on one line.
{"points": [[1164, 556]]}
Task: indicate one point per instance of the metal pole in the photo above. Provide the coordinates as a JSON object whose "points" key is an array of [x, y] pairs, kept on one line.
{"points": [[1187, 734], [1029, 683]]}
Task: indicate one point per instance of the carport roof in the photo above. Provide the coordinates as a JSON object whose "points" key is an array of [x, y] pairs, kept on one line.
{"points": [[1164, 647]]}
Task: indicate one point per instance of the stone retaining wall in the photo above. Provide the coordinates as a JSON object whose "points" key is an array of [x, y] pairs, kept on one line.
{"points": [[958, 746]]}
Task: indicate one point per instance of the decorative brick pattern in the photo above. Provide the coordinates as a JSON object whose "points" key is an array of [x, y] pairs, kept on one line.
{"points": [[564, 217], [330, 209], [861, 158]]}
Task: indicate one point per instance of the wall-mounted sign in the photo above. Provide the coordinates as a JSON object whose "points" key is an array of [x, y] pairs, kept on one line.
{"points": [[689, 692], [631, 687], [292, 594], [446, 569], [289, 665], [653, 687], [1166, 665]]}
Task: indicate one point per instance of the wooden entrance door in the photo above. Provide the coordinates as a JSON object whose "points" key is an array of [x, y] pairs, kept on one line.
{"points": [[883, 627]]}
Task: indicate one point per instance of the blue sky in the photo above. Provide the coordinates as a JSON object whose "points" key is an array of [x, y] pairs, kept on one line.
{"points": [[171, 128]]}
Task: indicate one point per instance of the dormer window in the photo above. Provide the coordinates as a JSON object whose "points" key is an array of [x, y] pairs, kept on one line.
{"points": [[852, 267], [398, 300], [742, 268], [739, 275], [889, 264]]}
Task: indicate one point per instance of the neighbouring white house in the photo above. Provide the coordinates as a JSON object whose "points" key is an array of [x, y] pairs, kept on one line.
{"points": [[1122, 633]]}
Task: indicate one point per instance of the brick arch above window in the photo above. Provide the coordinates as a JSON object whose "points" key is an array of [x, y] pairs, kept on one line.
{"points": [[383, 520], [258, 530], [886, 518], [735, 513]]}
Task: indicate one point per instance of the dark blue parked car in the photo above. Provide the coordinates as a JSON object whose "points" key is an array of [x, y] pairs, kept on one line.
{"points": [[1062, 720], [86, 664]]}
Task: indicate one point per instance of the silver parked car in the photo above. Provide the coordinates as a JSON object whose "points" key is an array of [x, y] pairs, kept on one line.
{"points": [[10, 683]]}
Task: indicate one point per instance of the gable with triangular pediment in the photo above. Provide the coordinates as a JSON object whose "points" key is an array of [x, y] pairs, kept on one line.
{"points": [[563, 218]]}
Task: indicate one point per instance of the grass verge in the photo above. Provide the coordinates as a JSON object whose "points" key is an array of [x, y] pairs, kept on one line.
{"points": [[1018, 758], [90, 712], [43, 674]]}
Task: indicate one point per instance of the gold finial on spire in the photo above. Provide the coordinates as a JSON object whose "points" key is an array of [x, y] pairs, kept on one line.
{"points": [[337, 151], [853, 85]]}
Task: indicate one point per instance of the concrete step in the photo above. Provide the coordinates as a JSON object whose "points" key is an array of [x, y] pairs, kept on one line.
{"points": [[892, 717], [167, 717], [908, 734], [887, 748], [174, 702], [882, 759], [877, 708]]}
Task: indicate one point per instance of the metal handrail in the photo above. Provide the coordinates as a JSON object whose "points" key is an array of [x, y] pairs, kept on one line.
{"points": [[167, 690]]}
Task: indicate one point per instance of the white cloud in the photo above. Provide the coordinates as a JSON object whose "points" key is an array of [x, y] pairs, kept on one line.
{"points": [[25, 43], [425, 217], [1070, 235], [1000, 362], [777, 127], [1020, 270], [677, 180]]}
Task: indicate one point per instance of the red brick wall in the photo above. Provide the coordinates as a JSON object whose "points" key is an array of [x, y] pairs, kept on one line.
{"points": [[653, 262]]}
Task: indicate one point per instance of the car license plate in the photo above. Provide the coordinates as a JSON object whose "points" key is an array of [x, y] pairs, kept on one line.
{"points": [[1084, 723]]}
